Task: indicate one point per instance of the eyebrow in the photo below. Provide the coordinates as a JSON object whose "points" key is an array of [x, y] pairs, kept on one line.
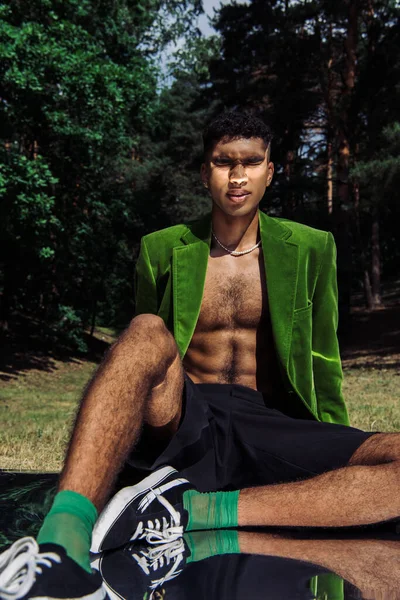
{"points": [[254, 157]]}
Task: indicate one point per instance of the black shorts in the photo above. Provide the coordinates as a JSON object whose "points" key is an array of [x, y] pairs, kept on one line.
{"points": [[250, 577], [229, 438]]}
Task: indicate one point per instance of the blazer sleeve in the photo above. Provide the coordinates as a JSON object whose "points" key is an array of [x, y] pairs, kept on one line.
{"points": [[327, 366], [145, 283]]}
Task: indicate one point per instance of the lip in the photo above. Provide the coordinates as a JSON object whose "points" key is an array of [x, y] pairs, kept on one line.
{"points": [[238, 196]]}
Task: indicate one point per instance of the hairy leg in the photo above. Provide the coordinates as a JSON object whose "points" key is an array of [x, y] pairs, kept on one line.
{"points": [[373, 566], [140, 381], [366, 491]]}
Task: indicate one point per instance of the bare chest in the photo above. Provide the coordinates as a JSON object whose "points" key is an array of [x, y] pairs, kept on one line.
{"points": [[234, 295]]}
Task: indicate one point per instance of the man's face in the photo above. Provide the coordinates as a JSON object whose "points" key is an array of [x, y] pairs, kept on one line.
{"points": [[237, 172]]}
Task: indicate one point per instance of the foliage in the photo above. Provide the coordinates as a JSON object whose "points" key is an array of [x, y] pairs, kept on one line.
{"points": [[381, 173], [77, 85], [170, 149], [379, 179], [325, 75]]}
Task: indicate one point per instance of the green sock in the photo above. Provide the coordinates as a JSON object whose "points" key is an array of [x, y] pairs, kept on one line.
{"points": [[70, 523], [203, 544], [214, 510]]}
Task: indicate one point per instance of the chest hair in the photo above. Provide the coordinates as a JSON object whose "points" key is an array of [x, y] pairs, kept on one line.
{"points": [[233, 300]]}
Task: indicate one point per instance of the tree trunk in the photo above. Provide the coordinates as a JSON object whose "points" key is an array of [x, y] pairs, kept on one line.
{"points": [[6, 299], [376, 262], [329, 177], [327, 84], [4, 309], [349, 78], [373, 35], [93, 324], [369, 301], [343, 169], [289, 203]]}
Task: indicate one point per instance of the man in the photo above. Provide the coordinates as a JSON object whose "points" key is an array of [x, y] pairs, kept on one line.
{"points": [[251, 301]]}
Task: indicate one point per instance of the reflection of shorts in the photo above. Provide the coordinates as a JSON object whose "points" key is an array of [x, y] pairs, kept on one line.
{"points": [[229, 438], [223, 577], [251, 577]]}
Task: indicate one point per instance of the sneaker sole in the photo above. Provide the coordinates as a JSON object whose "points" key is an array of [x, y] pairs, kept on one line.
{"points": [[121, 501], [96, 563], [100, 594]]}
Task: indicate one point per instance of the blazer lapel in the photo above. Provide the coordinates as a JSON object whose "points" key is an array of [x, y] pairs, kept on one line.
{"points": [[189, 267], [281, 269]]}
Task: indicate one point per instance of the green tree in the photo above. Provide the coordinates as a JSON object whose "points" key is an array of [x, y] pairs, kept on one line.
{"points": [[315, 69], [26, 221], [78, 85], [170, 150], [378, 179]]}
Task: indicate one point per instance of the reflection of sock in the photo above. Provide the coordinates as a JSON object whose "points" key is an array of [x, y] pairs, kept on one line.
{"points": [[214, 510], [203, 544], [70, 523]]}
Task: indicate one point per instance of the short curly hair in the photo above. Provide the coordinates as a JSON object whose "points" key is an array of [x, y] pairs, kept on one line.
{"points": [[232, 125]]}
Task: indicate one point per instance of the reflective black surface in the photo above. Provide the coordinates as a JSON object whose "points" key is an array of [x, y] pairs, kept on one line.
{"points": [[273, 564]]}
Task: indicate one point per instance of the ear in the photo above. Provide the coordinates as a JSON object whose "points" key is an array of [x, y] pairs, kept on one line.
{"points": [[204, 175], [271, 169]]}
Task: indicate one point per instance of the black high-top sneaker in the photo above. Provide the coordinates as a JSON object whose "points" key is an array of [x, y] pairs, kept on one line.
{"points": [[141, 570], [45, 572], [151, 510]]}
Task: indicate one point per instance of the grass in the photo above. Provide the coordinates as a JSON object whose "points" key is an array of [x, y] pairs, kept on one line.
{"points": [[372, 397], [37, 410]]}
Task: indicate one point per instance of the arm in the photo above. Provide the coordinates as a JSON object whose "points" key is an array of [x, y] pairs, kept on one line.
{"points": [[145, 284], [327, 367]]}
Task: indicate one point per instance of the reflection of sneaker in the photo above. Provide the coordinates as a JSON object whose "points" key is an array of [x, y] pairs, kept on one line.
{"points": [[151, 510], [141, 570], [29, 572]]}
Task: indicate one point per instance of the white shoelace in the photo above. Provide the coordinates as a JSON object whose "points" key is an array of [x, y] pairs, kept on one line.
{"points": [[165, 537], [19, 566], [155, 558], [158, 532]]}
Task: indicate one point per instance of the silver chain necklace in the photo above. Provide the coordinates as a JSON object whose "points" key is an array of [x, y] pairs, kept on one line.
{"points": [[235, 252]]}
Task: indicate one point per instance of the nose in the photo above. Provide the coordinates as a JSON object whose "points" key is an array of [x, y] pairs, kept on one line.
{"points": [[238, 175]]}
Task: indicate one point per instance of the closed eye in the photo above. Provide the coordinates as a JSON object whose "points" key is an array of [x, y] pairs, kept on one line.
{"points": [[252, 163], [220, 162], [223, 162]]}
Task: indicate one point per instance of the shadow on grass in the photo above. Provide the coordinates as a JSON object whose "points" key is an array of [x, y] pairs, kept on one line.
{"points": [[374, 336], [28, 346]]}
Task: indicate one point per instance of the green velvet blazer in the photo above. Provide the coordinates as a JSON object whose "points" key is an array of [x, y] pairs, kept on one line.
{"points": [[300, 266]]}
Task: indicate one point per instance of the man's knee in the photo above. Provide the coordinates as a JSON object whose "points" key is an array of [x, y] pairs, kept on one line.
{"points": [[378, 449], [147, 327], [147, 323], [150, 331]]}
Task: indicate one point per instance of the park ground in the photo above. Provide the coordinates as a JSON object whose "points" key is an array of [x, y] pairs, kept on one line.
{"points": [[40, 389]]}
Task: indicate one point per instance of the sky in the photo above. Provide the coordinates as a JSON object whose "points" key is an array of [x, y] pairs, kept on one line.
{"points": [[203, 24], [208, 6]]}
